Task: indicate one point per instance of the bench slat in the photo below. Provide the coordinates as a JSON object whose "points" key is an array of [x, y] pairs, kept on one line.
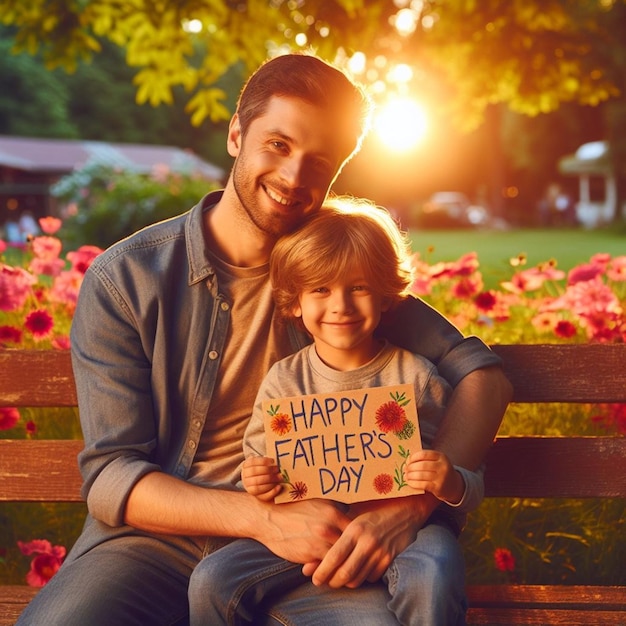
{"points": [[525, 467], [544, 617], [610, 598], [36, 378], [565, 372], [556, 467], [39, 471], [530, 368]]}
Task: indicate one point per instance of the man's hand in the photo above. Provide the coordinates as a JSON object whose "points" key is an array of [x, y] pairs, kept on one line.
{"points": [[301, 532], [380, 530]]}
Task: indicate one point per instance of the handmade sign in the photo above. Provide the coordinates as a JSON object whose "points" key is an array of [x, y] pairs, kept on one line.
{"points": [[348, 446]]}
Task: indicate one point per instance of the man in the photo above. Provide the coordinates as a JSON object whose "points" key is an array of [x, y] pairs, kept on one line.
{"points": [[173, 332]]}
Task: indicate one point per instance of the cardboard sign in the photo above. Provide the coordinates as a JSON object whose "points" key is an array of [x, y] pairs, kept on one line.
{"points": [[348, 446]]}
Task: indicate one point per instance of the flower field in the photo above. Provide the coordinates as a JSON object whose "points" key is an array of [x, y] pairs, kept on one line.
{"points": [[526, 541]]}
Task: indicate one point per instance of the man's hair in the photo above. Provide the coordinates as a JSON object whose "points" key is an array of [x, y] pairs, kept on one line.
{"points": [[309, 78], [345, 233]]}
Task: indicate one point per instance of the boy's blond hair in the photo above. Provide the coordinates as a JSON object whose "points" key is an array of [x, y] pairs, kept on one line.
{"points": [[345, 233]]}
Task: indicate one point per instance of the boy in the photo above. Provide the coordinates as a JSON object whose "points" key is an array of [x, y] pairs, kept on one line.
{"points": [[337, 276]]}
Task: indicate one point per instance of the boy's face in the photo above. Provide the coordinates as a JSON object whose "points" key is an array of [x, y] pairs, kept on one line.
{"points": [[342, 317], [285, 164]]}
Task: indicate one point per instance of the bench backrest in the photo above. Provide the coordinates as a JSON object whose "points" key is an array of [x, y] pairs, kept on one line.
{"points": [[46, 471]]}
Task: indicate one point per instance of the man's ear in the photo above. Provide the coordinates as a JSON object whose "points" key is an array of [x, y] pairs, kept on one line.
{"points": [[233, 143]]}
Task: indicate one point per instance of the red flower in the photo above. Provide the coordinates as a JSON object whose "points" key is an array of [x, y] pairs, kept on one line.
{"points": [[298, 490], [281, 423], [39, 323], [390, 417], [383, 483], [31, 428], [46, 563], [485, 301], [10, 334], [9, 416], [565, 329], [504, 559]]}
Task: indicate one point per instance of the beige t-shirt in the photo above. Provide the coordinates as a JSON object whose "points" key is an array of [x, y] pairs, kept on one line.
{"points": [[256, 339]]}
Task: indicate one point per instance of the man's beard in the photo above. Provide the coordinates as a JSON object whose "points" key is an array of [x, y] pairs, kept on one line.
{"points": [[272, 225]]}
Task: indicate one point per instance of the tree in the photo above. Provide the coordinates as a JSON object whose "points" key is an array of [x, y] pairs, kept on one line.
{"points": [[530, 54], [31, 100]]}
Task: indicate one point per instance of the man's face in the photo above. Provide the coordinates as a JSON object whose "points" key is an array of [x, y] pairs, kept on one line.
{"points": [[285, 164]]}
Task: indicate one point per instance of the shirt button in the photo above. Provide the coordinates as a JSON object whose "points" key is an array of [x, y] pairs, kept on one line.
{"points": [[213, 355], [224, 306]]}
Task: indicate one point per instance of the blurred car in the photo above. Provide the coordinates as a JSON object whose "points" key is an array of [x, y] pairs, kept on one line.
{"points": [[451, 209]]}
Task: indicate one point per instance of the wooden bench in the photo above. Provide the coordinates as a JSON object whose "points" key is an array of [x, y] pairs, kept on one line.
{"points": [[533, 467]]}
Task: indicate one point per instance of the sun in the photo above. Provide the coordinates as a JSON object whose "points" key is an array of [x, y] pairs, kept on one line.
{"points": [[401, 124]]}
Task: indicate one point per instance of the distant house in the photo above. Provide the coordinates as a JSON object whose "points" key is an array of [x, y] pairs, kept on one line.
{"points": [[597, 183], [29, 166]]}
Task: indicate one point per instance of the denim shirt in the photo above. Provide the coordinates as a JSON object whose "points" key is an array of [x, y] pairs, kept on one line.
{"points": [[147, 339]]}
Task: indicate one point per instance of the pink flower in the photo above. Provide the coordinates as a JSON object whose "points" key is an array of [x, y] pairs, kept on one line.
{"points": [[46, 247], [544, 322], [49, 224], [617, 269], [82, 258], [62, 342], [582, 273], [3, 246], [9, 417], [15, 287], [467, 287], [504, 559], [39, 323], [46, 563], [47, 267], [66, 287], [532, 278]]}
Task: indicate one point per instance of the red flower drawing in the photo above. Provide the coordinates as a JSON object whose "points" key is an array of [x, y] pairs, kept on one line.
{"points": [[383, 483], [298, 490], [390, 417], [280, 422]]}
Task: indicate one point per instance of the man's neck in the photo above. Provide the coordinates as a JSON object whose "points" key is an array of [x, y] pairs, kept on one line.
{"points": [[231, 239]]}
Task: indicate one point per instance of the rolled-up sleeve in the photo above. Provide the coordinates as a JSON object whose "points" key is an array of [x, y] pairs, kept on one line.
{"points": [[418, 327], [113, 385]]}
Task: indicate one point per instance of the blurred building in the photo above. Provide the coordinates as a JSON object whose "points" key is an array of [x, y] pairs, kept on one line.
{"points": [[30, 166], [597, 183]]}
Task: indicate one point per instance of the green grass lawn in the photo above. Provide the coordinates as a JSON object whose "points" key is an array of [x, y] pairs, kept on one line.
{"points": [[569, 247]]}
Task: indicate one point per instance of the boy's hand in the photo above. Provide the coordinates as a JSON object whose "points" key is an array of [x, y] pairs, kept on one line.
{"points": [[261, 477], [431, 471]]}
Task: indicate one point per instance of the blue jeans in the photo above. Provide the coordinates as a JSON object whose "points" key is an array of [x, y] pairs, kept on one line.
{"points": [[135, 580], [244, 583], [129, 580]]}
